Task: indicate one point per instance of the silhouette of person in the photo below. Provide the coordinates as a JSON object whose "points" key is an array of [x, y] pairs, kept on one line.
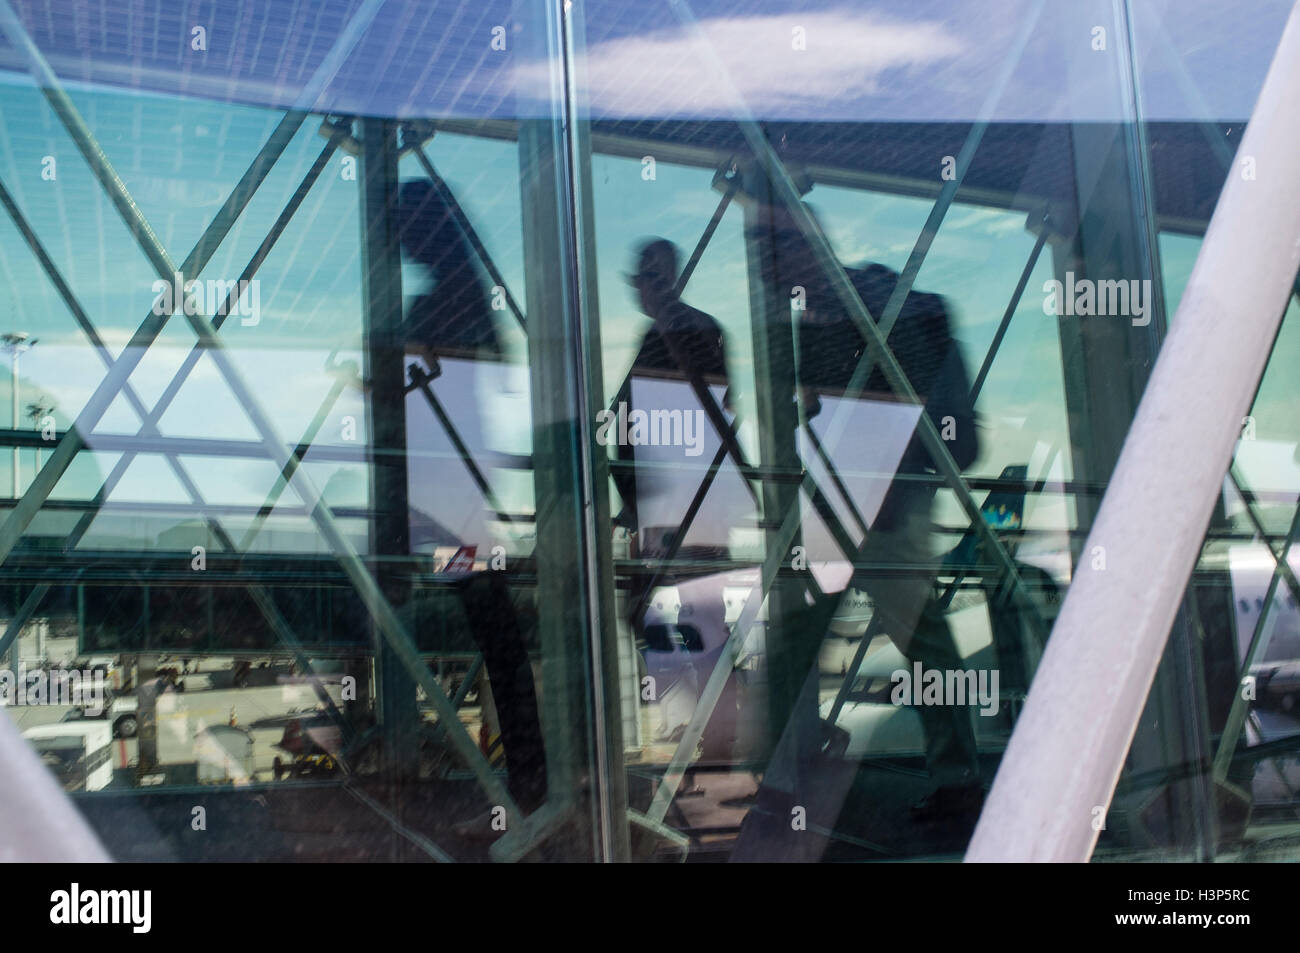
{"points": [[454, 319], [681, 345], [830, 348]]}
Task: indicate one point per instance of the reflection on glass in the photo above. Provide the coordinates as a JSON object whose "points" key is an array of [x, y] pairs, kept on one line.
{"points": [[670, 449]]}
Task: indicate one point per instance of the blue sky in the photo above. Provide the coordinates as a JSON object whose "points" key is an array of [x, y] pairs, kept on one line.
{"points": [[929, 60], [924, 60]]}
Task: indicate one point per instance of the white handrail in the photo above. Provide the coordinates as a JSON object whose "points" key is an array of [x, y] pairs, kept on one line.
{"points": [[1065, 756]]}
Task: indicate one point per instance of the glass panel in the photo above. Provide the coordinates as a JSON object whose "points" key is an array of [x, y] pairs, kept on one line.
{"points": [[875, 562], [300, 569], [674, 425]]}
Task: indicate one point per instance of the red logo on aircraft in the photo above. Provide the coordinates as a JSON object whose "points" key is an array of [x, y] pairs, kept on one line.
{"points": [[462, 561]]}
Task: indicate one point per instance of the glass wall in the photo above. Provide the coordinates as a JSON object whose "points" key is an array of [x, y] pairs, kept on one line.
{"points": [[608, 431]]}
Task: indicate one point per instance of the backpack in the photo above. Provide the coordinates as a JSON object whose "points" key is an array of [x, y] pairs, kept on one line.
{"points": [[831, 346]]}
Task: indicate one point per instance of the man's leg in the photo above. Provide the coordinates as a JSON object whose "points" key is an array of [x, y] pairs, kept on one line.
{"points": [[495, 627], [949, 732], [916, 624]]}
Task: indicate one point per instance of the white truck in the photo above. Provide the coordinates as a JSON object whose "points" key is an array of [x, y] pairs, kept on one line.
{"points": [[80, 753], [122, 712]]}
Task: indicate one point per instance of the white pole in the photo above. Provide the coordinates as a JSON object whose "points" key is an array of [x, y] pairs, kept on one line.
{"points": [[1065, 757]]}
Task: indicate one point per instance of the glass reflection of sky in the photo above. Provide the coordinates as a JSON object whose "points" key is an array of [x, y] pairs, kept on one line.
{"points": [[881, 60]]}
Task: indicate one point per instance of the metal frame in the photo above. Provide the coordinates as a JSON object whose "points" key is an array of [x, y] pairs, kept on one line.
{"points": [[116, 378], [877, 354], [149, 428]]}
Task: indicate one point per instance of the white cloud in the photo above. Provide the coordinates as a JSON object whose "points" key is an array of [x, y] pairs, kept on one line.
{"points": [[987, 221], [668, 71]]}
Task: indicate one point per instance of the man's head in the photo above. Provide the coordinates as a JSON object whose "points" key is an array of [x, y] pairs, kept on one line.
{"points": [[655, 276]]}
